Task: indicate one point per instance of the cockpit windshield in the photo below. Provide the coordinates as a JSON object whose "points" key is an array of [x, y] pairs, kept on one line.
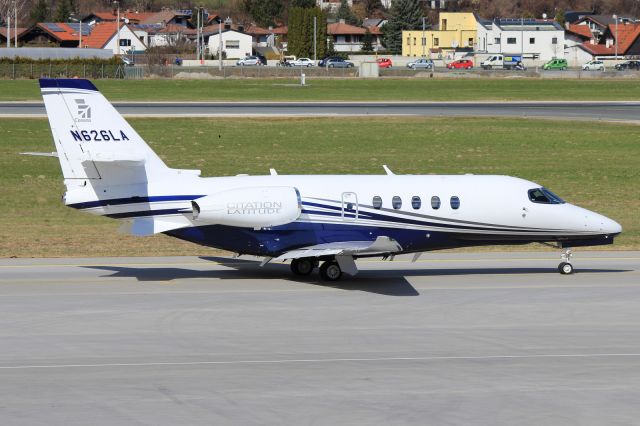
{"points": [[544, 196]]}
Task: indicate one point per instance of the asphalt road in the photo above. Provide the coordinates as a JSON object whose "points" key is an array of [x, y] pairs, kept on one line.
{"points": [[481, 339], [623, 111]]}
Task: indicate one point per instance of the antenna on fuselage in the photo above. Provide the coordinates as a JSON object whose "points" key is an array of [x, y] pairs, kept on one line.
{"points": [[387, 170]]}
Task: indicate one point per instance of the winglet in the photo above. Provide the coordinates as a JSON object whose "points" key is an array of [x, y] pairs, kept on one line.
{"points": [[387, 169]]}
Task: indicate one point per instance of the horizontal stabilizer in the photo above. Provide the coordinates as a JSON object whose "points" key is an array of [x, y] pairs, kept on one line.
{"points": [[382, 245], [146, 226]]}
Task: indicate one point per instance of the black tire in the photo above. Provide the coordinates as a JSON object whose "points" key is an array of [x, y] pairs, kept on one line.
{"points": [[303, 266], [350, 66], [565, 268], [330, 66], [330, 271]]}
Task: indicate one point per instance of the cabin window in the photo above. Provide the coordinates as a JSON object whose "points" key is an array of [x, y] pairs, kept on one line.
{"points": [[435, 202], [455, 202], [396, 202], [377, 202], [544, 196], [416, 202]]}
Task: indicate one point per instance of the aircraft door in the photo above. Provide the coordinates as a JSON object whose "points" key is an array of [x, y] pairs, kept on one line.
{"points": [[349, 206]]}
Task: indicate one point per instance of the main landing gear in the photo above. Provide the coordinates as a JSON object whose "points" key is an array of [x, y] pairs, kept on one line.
{"points": [[565, 267], [330, 270]]}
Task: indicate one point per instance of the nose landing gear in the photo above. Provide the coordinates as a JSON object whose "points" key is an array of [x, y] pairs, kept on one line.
{"points": [[565, 267]]}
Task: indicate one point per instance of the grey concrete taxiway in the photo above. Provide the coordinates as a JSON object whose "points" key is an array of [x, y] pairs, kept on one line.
{"points": [[610, 111], [453, 339]]}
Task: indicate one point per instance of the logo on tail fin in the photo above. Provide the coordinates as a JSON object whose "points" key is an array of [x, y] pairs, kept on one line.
{"points": [[84, 111]]}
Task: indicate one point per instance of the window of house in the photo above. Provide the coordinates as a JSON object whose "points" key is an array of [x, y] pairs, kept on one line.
{"points": [[232, 44], [347, 38], [554, 40], [511, 40], [414, 41], [435, 202], [408, 41], [436, 41], [444, 25], [125, 42], [532, 40], [497, 40], [377, 202], [396, 202], [416, 202], [470, 41]]}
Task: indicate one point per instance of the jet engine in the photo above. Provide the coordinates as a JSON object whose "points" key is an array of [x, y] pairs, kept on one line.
{"points": [[257, 207]]}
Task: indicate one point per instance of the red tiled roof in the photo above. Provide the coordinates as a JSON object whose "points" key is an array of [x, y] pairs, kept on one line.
{"points": [[598, 49], [159, 17], [101, 33], [625, 35], [132, 16], [3, 31], [69, 34], [175, 29], [340, 28], [581, 30], [280, 30], [375, 30], [256, 30]]}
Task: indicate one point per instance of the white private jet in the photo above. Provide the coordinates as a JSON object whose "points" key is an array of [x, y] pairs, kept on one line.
{"points": [[109, 170]]}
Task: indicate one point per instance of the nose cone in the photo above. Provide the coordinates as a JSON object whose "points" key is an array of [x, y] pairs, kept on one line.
{"points": [[605, 225]]}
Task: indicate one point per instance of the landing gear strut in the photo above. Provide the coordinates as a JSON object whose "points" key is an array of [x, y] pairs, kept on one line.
{"points": [[565, 267]]}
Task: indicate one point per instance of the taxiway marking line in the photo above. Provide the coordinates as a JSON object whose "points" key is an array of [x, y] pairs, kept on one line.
{"points": [[324, 360]]}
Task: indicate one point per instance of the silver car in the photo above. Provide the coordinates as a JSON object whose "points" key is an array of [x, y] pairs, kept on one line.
{"points": [[421, 63], [249, 61], [338, 63]]}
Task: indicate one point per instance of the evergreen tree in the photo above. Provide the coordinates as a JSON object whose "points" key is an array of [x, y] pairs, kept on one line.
{"points": [[65, 8], [367, 42], [301, 32], [264, 12], [405, 15], [344, 12], [303, 3], [40, 11]]}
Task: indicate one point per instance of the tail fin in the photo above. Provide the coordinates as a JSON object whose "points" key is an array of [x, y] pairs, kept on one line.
{"points": [[94, 142]]}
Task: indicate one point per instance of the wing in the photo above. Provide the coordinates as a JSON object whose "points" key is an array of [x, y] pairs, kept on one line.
{"points": [[382, 245]]}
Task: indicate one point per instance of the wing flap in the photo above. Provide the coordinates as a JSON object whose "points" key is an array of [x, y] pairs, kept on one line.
{"points": [[382, 245]]}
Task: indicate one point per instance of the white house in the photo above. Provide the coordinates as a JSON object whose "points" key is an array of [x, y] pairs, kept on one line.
{"points": [[235, 44], [536, 39], [103, 35]]}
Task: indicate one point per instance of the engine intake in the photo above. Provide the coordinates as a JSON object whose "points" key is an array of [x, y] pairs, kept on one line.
{"points": [[260, 207]]}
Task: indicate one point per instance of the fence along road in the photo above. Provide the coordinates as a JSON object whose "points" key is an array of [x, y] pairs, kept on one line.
{"points": [[609, 111]]}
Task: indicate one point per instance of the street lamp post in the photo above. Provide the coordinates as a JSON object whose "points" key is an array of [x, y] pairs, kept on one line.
{"points": [[615, 42], [79, 21], [424, 40], [117, 5]]}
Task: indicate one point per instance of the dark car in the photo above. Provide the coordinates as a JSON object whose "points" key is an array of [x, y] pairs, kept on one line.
{"points": [[338, 63], [323, 62], [628, 65], [262, 58]]}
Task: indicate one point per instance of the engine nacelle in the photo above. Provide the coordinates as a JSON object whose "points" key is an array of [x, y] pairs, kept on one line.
{"points": [[258, 207]]}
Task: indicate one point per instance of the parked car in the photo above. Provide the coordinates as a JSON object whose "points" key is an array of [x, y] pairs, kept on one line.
{"points": [[323, 62], [628, 65], [593, 66], [506, 62], [127, 61], [262, 58], [556, 64], [249, 61], [421, 63], [302, 62], [384, 63], [460, 64], [338, 63]]}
